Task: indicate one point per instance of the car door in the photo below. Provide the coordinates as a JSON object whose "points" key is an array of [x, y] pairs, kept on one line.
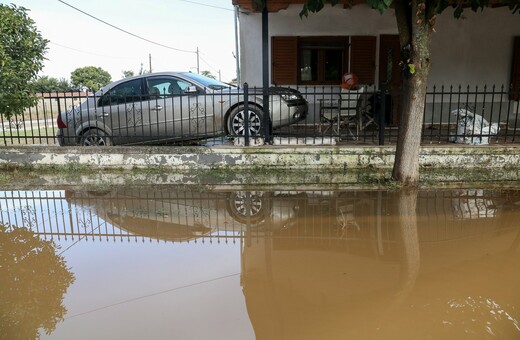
{"points": [[125, 111], [179, 109]]}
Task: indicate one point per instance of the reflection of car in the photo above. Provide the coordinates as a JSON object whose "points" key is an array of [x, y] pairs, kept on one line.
{"points": [[181, 215], [168, 106]]}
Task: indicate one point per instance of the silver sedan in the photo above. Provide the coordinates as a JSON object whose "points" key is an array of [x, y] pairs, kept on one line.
{"points": [[168, 106]]}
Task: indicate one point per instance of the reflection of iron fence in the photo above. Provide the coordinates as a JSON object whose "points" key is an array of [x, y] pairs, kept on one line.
{"points": [[353, 221], [205, 119]]}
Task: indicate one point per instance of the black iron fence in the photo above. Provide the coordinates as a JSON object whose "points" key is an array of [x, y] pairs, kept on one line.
{"points": [[307, 115], [356, 221]]}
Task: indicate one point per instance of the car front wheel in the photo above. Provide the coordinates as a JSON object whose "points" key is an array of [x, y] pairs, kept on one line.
{"points": [[237, 121], [95, 137]]}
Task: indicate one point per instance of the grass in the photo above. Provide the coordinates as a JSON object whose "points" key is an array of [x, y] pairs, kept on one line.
{"points": [[21, 137]]}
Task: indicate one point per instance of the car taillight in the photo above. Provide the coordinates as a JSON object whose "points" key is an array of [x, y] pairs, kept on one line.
{"points": [[61, 124]]}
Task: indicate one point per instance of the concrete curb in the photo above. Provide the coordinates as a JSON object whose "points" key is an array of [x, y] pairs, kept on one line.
{"points": [[321, 158]]}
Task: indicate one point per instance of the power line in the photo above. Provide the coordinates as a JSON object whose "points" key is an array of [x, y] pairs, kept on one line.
{"points": [[151, 295], [86, 52], [125, 31], [214, 69], [206, 5]]}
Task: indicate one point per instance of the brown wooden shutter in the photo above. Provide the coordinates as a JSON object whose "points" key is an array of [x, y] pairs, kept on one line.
{"points": [[515, 71], [363, 58], [284, 60]]}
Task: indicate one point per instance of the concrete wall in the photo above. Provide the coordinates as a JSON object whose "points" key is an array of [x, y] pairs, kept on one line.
{"points": [[316, 158], [476, 50]]}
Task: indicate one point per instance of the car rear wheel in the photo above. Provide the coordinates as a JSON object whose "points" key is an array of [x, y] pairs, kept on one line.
{"points": [[95, 137], [248, 206], [237, 121]]}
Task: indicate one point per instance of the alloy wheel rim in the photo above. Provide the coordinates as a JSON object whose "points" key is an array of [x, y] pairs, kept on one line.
{"points": [[94, 141], [238, 123], [245, 206]]}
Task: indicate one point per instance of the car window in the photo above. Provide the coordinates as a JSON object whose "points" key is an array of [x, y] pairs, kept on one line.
{"points": [[206, 81], [165, 87], [127, 92]]}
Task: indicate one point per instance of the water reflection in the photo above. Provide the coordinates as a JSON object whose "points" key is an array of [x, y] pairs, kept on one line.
{"points": [[33, 281], [324, 264]]}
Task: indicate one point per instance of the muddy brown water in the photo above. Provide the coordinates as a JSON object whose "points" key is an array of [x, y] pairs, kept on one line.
{"points": [[189, 263]]}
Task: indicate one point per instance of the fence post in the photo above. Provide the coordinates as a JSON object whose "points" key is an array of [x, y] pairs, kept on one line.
{"points": [[382, 115], [3, 129], [246, 114], [265, 74]]}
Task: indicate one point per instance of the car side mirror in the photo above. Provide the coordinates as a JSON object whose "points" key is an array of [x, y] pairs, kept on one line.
{"points": [[191, 90]]}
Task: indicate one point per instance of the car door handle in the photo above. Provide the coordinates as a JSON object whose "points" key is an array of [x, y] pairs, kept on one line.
{"points": [[157, 108]]}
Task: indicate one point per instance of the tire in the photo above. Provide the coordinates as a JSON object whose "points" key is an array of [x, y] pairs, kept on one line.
{"points": [[95, 137], [236, 121], [242, 205]]}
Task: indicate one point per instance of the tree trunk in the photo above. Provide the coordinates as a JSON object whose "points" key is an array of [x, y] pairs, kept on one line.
{"points": [[406, 165], [414, 34]]}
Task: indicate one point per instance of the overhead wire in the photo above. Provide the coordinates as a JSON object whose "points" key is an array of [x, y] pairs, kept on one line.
{"points": [[206, 5], [125, 31], [86, 52], [151, 295], [140, 37]]}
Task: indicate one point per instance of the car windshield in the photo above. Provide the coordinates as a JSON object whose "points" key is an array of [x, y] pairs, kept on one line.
{"points": [[206, 81]]}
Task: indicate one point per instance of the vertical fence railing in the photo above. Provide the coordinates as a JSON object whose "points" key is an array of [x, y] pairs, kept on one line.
{"points": [[195, 117], [316, 218], [246, 114]]}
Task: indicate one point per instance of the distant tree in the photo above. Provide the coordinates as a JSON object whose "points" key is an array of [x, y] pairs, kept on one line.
{"points": [[22, 50], [90, 77], [50, 84], [33, 281], [128, 73], [208, 74], [143, 70]]}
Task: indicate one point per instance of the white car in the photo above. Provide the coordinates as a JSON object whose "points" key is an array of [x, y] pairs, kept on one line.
{"points": [[169, 106]]}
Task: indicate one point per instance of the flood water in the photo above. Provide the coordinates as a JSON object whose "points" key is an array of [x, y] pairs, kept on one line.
{"points": [[188, 263]]}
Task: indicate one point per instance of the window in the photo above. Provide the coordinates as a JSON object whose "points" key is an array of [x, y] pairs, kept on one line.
{"points": [[322, 60], [128, 92], [165, 87]]}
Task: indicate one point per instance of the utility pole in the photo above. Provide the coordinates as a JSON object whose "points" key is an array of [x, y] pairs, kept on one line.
{"points": [[150, 61], [198, 71], [219, 76], [237, 51]]}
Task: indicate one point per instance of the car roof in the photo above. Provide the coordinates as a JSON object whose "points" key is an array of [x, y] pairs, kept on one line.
{"points": [[140, 76]]}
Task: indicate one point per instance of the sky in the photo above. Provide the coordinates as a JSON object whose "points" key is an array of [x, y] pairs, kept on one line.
{"points": [[77, 40]]}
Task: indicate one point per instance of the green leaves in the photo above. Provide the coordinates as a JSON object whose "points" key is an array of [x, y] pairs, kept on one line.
{"points": [[90, 77], [514, 5], [312, 6], [475, 5], [50, 84], [315, 6], [22, 50], [380, 5]]}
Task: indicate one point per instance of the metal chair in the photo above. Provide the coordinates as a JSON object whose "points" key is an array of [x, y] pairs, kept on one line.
{"points": [[342, 114]]}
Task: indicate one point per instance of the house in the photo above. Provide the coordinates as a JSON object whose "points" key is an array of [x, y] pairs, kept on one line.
{"points": [[480, 49]]}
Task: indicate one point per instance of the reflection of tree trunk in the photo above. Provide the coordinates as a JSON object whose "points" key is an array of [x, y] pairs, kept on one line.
{"points": [[516, 242], [408, 240]]}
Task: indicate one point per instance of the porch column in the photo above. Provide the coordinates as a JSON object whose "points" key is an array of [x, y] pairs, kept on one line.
{"points": [[265, 72]]}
